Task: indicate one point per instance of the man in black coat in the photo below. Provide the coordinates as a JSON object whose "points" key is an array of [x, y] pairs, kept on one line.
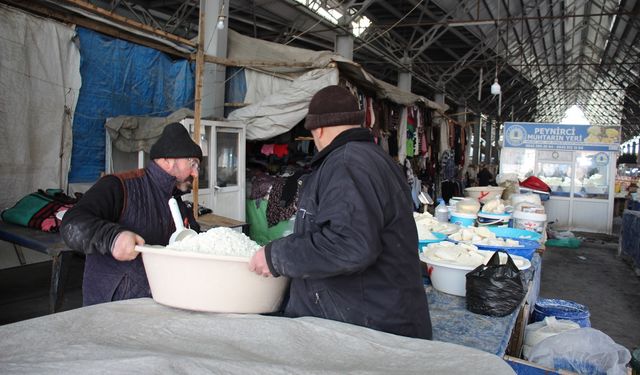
{"points": [[127, 209], [353, 256]]}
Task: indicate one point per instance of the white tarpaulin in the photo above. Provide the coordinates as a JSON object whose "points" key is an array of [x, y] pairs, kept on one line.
{"points": [[261, 85], [281, 111], [140, 336], [39, 81], [275, 109]]}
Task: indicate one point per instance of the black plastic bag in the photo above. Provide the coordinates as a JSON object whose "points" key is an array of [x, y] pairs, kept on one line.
{"points": [[494, 289]]}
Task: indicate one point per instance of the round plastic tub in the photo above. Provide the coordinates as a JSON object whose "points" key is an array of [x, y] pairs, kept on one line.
{"points": [[204, 282], [529, 221], [463, 220], [450, 278], [561, 309], [484, 193], [491, 219]]}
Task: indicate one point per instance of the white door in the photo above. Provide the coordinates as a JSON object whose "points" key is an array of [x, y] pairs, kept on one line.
{"points": [[228, 170]]}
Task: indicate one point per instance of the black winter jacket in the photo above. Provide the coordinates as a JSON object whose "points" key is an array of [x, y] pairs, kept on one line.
{"points": [[353, 256]]}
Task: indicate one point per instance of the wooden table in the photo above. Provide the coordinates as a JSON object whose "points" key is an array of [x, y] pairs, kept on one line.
{"points": [[209, 221], [46, 243]]}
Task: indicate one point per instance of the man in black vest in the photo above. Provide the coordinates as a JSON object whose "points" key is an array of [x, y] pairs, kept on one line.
{"points": [[127, 209], [353, 256]]}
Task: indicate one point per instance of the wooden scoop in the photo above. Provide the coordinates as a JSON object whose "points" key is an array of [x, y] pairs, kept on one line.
{"points": [[181, 232]]}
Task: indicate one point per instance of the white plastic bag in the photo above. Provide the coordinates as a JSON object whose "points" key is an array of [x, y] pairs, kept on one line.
{"points": [[584, 350], [509, 181], [538, 331]]}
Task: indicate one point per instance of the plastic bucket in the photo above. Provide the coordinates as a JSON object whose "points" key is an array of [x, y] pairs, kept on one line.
{"points": [[529, 221], [561, 309], [463, 220], [488, 219]]}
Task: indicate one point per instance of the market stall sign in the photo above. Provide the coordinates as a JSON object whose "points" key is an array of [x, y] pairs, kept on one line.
{"points": [[561, 136]]}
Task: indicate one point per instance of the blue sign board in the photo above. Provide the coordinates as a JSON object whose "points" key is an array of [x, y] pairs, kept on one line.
{"points": [[561, 136]]}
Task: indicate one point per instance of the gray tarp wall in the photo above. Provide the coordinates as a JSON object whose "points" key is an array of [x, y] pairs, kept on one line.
{"points": [[39, 81]]}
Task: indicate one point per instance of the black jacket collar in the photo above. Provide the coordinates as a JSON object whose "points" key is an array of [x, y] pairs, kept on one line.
{"points": [[350, 135]]}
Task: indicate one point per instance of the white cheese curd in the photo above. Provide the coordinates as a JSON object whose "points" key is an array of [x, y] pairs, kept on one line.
{"points": [[462, 254], [218, 241], [427, 224]]}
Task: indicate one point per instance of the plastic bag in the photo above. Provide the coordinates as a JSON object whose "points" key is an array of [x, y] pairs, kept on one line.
{"points": [[538, 331], [510, 183], [494, 289], [584, 350]]}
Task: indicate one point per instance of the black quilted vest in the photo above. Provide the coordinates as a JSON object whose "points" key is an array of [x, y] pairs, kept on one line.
{"points": [[145, 212]]}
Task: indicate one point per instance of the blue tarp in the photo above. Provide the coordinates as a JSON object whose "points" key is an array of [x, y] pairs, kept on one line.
{"points": [[235, 87], [121, 78]]}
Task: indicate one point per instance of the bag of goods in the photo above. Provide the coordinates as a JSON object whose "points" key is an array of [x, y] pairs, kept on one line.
{"points": [[538, 331], [495, 289]]}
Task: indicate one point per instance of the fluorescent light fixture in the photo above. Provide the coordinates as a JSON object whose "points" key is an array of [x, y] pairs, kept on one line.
{"points": [[471, 23]]}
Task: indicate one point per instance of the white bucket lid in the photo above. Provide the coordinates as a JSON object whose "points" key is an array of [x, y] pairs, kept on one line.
{"points": [[529, 216]]}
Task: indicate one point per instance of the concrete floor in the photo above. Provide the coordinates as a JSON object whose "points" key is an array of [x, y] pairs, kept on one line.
{"points": [[592, 275], [595, 276], [24, 290]]}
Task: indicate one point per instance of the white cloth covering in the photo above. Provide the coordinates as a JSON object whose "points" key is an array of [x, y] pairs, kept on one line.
{"points": [[39, 81], [141, 336]]}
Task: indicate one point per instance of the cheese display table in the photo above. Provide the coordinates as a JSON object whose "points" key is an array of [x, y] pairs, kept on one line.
{"points": [[141, 336], [453, 323]]}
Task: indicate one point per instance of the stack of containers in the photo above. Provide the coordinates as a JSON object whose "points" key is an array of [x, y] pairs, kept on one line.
{"points": [[466, 212], [528, 213]]}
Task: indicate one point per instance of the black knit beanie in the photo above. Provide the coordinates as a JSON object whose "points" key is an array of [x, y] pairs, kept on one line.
{"points": [[331, 106], [175, 142]]}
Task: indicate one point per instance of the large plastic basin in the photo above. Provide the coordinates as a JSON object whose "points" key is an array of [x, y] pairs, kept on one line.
{"points": [[204, 282]]}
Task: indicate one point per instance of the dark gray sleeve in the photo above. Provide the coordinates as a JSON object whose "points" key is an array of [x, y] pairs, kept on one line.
{"points": [[91, 225]]}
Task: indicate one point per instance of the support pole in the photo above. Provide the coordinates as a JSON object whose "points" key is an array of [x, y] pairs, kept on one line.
{"points": [[197, 104]]}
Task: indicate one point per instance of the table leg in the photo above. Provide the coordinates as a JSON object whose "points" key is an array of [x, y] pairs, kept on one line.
{"points": [[59, 274], [20, 254]]}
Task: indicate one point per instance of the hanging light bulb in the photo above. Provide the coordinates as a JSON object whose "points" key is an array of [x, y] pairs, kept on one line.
{"points": [[495, 88], [220, 24]]}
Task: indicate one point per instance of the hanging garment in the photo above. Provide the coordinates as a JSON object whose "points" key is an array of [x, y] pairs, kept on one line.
{"points": [[260, 186], [402, 134], [384, 142], [372, 112], [277, 209], [393, 143], [444, 135], [267, 149], [448, 165], [280, 150], [457, 143]]}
